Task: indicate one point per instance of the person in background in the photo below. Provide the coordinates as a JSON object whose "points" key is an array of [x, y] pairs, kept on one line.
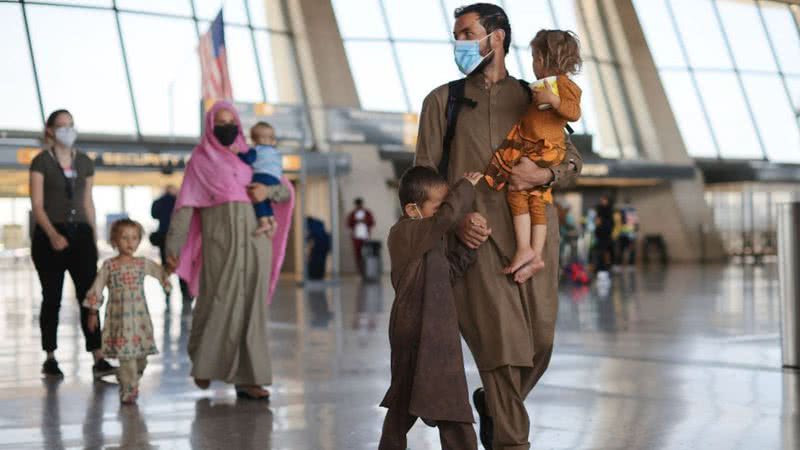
{"points": [[360, 222], [64, 239], [629, 227], [162, 211], [320, 242], [604, 244]]}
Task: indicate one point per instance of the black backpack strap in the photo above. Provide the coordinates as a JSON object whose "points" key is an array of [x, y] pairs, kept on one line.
{"points": [[455, 98], [527, 87]]}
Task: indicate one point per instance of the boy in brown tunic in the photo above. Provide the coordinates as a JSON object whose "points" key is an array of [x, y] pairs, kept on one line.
{"points": [[428, 378]]}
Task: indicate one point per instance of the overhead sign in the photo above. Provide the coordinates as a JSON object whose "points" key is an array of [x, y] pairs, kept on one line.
{"points": [[355, 126]]}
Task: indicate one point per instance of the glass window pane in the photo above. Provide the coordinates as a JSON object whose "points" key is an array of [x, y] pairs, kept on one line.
{"points": [[595, 112], [794, 91], [619, 111], [598, 44], [258, 16], [775, 117], [234, 11], [80, 67], [17, 86], [178, 7], [688, 112], [360, 19], [566, 15], [375, 75], [660, 34], [166, 83], [527, 17], [728, 113], [751, 49], [699, 29], [523, 55], [280, 74], [784, 35], [417, 19], [242, 65], [83, 2], [425, 67]]}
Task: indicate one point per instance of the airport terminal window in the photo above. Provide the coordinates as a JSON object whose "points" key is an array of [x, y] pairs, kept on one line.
{"points": [[242, 65], [79, 63], [688, 113], [360, 19], [728, 113], [265, 43], [234, 10], [83, 36], [698, 27], [747, 106], [751, 49], [374, 74], [176, 7], [438, 61], [413, 56], [106, 3], [784, 36], [166, 83], [773, 114], [416, 19], [523, 31], [17, 85]]}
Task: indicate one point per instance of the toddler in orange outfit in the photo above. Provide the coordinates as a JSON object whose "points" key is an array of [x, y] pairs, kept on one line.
{"points": [[539, 135]]}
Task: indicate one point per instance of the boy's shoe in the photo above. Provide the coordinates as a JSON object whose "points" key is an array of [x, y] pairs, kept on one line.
{"points": [[50, 368], [102, 368], [486, 425]]}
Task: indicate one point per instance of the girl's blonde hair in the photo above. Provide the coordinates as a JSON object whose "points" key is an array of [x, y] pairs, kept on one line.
{"points": [[119, 225], [560, 50]]}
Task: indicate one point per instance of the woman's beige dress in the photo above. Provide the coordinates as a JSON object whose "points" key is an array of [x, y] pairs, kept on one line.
{"points": [[229, 338]]}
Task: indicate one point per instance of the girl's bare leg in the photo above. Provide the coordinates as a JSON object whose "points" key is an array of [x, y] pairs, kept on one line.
{"points": [[524, 253]]}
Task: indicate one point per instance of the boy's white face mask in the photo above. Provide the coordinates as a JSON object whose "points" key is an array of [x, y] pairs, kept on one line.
{"points": [[419, 213]]}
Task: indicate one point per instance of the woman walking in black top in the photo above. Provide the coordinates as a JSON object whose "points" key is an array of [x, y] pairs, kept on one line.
{"points": [[64, 239]]}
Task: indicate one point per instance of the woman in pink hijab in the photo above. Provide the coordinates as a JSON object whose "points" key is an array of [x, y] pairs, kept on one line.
{"points": [[211, 244]]}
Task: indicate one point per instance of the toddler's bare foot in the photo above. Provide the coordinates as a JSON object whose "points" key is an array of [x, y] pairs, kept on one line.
{"points": [[528, 270], [264, 226], [521, 257]]}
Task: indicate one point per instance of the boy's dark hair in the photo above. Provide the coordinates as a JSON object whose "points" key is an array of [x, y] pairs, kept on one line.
{"points": [[560, 50], [414, 184], [359, 202], [259, 124], [491, 17], [119, 225]]}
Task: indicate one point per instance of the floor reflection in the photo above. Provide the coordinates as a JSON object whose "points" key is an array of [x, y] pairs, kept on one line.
{"points": [[682, 358], [231, 424]]}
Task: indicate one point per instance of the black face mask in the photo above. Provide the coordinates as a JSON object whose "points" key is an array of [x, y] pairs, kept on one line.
{"points": [[226, 134]]}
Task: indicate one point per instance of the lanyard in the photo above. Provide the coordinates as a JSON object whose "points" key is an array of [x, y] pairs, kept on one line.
{"points": [[69, 178]]}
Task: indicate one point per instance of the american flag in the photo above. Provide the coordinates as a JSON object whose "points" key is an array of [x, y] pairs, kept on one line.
{"points": [[214, 62]]}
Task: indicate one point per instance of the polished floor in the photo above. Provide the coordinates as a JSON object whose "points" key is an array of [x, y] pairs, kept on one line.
{"points": [[684, 358]]}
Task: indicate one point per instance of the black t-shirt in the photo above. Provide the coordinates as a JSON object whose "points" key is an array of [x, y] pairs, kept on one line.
{"points": [[59, 205]]}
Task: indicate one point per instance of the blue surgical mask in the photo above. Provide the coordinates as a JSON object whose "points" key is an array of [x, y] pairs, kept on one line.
{"points": [[468, 55]]}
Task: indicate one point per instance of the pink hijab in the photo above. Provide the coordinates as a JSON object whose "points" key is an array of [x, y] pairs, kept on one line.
{"points": [[214, 175]]}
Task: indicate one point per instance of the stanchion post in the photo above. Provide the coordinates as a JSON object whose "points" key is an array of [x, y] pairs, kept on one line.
{"points": [[789, 276]]}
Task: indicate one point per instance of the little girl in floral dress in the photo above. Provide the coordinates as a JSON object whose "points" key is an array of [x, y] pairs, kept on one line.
{"points": [[128, 330]]}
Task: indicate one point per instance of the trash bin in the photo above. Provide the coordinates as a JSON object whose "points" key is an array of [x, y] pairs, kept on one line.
{"points": [[789, 276], [373, 264]]}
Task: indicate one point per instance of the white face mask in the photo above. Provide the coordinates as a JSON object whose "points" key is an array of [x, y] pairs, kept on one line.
{"points": [[418, 212], [66, 136]]}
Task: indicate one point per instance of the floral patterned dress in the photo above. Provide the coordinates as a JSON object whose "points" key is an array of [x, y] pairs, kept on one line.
{"points": [[127, 330]]}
